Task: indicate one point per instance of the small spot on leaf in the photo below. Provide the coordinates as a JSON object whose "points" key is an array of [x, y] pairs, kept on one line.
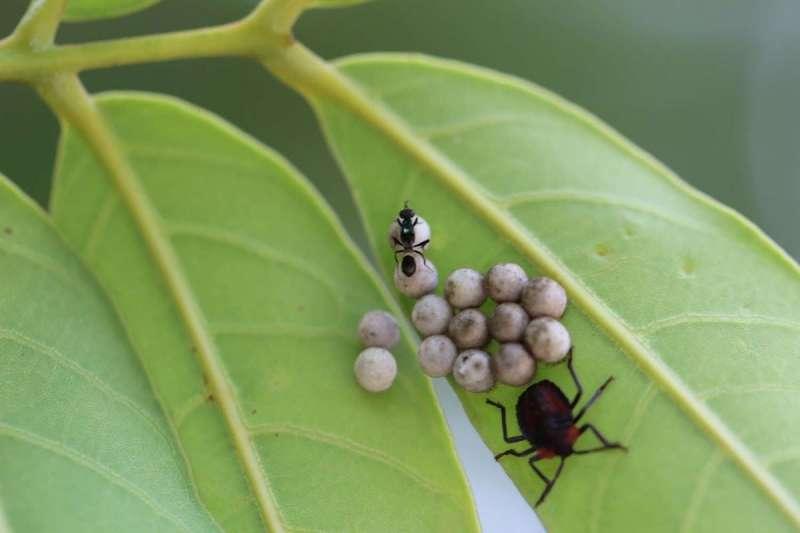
{"points": [[602, 250], [688, 266], [8, 231]]}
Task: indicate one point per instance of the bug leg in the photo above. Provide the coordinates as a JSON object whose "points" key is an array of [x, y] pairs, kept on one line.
{"points": [[607, 445], [538, 472], [424, 262], [593, 399], [575, 379], [422, 244], [510, 440], [549, 482], [515, 453]]}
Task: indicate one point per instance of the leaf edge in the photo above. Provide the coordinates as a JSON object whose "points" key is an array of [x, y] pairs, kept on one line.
{"points": [[118, 12]]}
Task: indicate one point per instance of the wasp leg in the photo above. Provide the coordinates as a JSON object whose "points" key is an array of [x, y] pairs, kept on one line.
{"points": [[606, 444], [549, 482], [575, 379], [422, 255], [510, 440], [593, 399], [515, 453], [412, 250]]}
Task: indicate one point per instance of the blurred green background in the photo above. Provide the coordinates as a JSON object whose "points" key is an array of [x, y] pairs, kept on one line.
{"points": [[710, 87]]}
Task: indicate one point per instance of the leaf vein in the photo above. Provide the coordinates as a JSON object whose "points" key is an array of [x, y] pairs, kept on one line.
{"points": [[473, 124], [702, 486], [568, 196], [631, 427], [101, 470], [99, 225], [278, 329], [749, 388], [165, 152], [351, 446], [92, 379], [188, 408], [782, 456], [40, 261], [260, 250], [692, 319]]}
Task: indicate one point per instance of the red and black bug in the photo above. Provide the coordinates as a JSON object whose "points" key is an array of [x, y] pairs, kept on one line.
{"points": [[547, 422]]}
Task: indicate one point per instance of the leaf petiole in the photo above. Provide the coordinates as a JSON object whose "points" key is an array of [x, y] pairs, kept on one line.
{"points": [[28, 54]]}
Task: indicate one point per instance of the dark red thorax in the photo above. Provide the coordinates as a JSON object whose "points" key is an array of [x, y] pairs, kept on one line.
{"points": [[545, 419]]}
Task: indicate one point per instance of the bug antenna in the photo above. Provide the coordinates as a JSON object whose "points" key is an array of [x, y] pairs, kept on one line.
{"points": [[405, 205]]}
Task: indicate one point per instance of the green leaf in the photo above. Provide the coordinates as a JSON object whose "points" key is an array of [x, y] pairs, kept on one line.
{"points": [[84, 10], [83, 441], [693, 310], [245, 320]]}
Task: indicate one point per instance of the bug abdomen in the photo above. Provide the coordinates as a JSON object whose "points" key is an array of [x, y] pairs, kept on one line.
{"points": [[543, 413]]}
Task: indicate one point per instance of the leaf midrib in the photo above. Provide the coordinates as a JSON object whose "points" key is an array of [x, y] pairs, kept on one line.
{"points": [[314, 197], [332, 84], [71, 99]]}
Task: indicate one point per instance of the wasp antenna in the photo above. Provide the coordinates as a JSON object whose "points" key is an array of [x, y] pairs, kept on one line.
{"points": [[405, 204]]}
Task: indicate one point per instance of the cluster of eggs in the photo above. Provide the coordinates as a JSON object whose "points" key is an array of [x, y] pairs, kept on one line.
{"points": [[458, 334], [523, 324]]}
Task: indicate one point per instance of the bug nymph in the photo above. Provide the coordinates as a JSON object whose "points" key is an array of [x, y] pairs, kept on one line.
{"points": [[547, 422], [404, 235]]}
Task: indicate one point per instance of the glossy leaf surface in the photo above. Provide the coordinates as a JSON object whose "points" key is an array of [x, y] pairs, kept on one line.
{"points": [[82, 437], [276, 289], [691, 308]]}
